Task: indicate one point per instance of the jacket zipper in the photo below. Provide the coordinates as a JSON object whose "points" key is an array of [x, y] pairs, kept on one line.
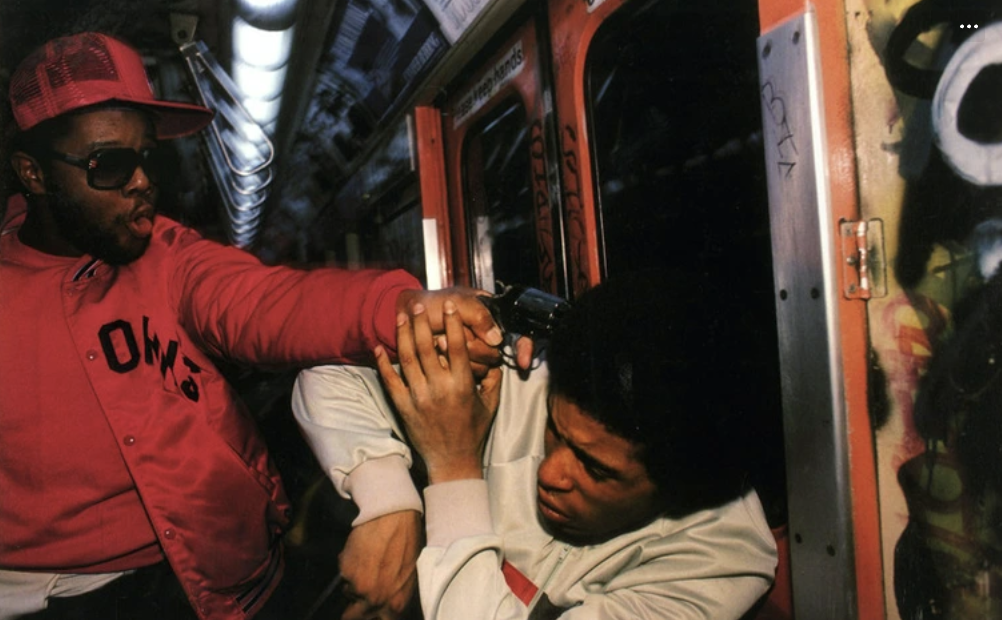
{"points": [[564, 551]]}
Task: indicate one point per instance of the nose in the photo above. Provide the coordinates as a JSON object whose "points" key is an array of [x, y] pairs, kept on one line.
{"points": [[139, 182], [554, 471]]}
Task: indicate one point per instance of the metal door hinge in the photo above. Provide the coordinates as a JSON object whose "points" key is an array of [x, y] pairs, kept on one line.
{"points": [[864, 263]]}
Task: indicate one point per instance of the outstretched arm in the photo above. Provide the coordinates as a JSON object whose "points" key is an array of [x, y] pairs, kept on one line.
{"points": [[237, 308]]}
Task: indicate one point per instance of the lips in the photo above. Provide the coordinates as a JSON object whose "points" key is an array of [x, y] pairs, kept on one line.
{"points": [[141, 224], [550, 512]]}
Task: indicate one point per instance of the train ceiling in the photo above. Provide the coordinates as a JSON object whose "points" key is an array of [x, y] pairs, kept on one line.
{"points": [[353, 65]]}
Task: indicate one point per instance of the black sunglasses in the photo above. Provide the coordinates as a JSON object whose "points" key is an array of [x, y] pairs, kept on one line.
{"points": [[112, 168]]}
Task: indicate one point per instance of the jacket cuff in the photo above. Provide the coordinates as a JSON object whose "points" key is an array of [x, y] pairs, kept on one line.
{"points": [[382, 486], [457, 509], [381, 304]]}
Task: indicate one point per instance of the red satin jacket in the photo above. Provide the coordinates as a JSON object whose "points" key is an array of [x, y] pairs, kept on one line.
{"points": [[121, 443]]}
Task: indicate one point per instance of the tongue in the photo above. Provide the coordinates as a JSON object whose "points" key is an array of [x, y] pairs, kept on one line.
{"points": [[141, 226]]}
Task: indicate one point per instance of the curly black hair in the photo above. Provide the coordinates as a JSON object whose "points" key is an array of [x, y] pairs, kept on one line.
{"points": [[661, 359]]}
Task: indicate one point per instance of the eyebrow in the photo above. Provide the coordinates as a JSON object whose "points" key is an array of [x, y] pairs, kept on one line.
{"points": [[100, 144], [149, 136], [579, 452]]}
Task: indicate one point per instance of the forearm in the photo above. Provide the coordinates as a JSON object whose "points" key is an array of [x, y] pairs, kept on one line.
{"points": [[459, 571], [348, 424]]}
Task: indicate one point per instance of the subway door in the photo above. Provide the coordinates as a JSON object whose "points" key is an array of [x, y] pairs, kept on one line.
{"points": [[662, 167], [504, 225]]}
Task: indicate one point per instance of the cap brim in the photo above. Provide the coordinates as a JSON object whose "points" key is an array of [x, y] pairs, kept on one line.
{"points": [[173, 119]]}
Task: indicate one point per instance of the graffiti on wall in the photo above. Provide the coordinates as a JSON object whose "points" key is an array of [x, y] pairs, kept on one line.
{"points": [[932, 165]]}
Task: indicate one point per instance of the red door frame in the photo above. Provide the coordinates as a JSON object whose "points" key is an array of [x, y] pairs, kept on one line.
{"points": [[573, 24]]}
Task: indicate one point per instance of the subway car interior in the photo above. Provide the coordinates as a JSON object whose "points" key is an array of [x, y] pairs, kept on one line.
{"points": [[761, 144]]}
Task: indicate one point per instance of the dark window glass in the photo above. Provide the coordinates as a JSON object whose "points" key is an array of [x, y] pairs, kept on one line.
{"points": [[673, 92], [394, 241], [674, 115], [500, 216]]}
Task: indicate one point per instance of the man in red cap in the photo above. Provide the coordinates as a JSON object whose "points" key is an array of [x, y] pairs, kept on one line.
{"points": [[127, 465]]}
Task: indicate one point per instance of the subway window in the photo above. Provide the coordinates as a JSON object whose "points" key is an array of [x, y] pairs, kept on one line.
{"points": [[672, 90], [497, 188]]}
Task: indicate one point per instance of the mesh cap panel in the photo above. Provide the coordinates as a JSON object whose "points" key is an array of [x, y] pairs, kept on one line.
{"points": [[90, 68]]}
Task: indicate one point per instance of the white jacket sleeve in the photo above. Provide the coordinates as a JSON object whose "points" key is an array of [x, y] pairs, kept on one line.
{"points": [[347, 421], [459, 571]]}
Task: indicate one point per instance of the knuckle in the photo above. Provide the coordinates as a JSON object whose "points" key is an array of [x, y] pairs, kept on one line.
{"points": [[423, 400]]}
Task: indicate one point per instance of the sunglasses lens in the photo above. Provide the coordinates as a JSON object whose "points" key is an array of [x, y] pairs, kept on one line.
{"points": [[114, 168], [154, 162]]}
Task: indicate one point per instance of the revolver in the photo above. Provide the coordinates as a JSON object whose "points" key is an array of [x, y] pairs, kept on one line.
{"points": [[525, 311]]}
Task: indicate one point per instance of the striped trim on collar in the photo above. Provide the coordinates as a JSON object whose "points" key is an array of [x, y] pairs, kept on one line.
{"points": [[87, 270]]}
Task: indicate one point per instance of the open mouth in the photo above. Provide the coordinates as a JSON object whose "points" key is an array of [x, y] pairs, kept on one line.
{"points": [[141, 224]]}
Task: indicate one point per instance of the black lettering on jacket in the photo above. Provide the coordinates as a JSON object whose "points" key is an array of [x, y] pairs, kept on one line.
{"points": [[189, 386], [153, 350], [153, 353], [119, 366]]}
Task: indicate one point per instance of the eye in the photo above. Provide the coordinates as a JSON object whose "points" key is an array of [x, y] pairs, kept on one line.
{"points": [[597, 473]]}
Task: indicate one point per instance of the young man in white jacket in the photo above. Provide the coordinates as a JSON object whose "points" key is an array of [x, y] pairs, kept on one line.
{"points": [[609, 484]]}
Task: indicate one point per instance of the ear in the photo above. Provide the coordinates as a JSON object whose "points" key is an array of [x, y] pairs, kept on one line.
{"points": [[29, 172]]}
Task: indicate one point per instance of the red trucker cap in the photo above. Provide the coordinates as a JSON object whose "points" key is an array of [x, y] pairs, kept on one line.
{"points": [[89, 68]]}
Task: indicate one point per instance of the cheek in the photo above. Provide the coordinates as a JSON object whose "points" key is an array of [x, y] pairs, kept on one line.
{"points": [[67, 181], [611, 497], [101, 211], [67, 191], [596, 495]]}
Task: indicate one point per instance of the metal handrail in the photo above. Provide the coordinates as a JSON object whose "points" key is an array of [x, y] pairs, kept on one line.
{"points": [[239, 151], [207, 73]]}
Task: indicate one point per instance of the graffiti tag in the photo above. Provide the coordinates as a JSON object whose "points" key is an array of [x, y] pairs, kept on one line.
{"points": [[786, 146]]}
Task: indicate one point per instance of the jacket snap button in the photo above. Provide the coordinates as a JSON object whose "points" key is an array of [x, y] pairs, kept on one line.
{"points": [[129, 440], [92, 355], [169, 534]]}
